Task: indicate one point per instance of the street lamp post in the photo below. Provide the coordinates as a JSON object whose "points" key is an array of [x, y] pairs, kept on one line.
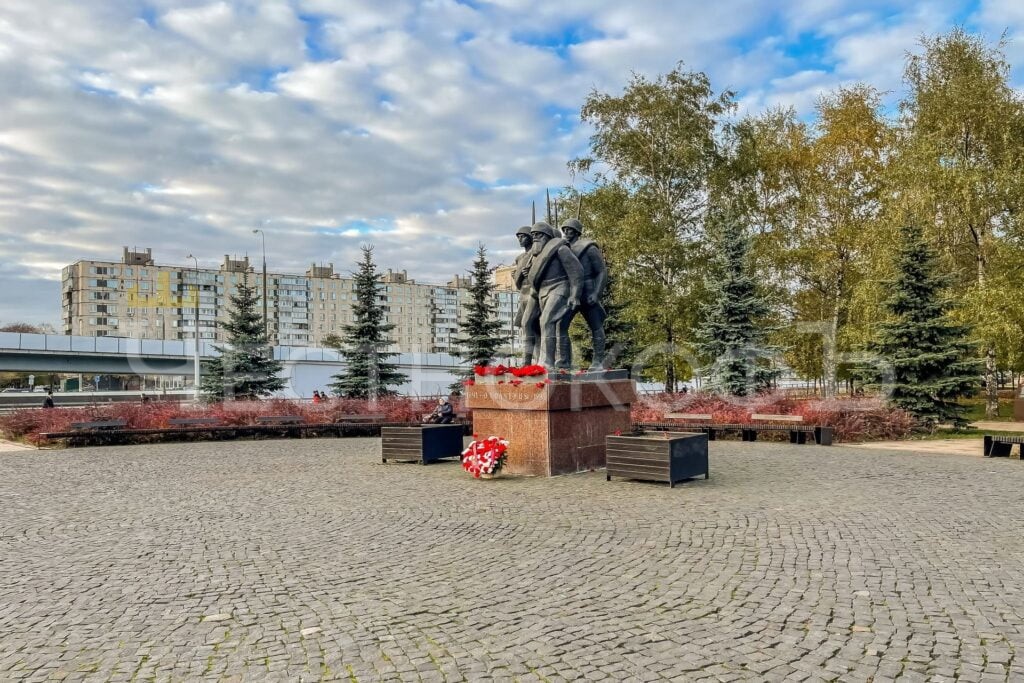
{"points": [[266, 319], [195, 355]]}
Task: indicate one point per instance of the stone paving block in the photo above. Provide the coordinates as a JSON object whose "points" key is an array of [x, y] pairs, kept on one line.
{"points": [[308, 560]]}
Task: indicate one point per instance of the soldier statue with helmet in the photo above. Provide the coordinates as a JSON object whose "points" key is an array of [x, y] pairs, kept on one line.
{"points": [[556, 280], [527, 316], [595, 279]]}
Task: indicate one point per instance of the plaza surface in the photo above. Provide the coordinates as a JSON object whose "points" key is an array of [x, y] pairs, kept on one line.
{"points": [[310, 560]]}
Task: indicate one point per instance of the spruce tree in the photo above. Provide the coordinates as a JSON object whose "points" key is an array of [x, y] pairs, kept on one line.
{"points": [[925, 356], [368, 373], [732, 333], [245, 369], [480, 331]]}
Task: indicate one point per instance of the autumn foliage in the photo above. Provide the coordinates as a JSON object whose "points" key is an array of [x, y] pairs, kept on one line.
{"points": [[28, 424], [856, 419]]}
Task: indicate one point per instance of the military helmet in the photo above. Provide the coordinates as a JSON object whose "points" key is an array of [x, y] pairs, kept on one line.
{"points": [[572, 224], [543, 228], [525, 230]]}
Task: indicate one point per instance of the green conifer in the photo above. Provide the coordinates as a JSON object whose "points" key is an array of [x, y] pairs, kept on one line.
{"points": [[368, 373], [245, 369], [480, 331], [733, 333], [925, 359]]}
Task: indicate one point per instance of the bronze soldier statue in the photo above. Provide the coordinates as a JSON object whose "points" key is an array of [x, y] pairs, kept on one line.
{"points": [[595, 279], [556, 278], [527, 314]]}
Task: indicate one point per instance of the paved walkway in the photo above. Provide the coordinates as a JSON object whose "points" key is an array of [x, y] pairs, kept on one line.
{"points": [[971, 447], [999, 426], [309, 560]]}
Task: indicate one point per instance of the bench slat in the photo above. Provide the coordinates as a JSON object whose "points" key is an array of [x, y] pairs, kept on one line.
{"points": [[279, 419], [100, 424]]}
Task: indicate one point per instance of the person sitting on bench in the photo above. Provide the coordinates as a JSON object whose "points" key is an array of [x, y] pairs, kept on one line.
{"points": [[443, 414]]}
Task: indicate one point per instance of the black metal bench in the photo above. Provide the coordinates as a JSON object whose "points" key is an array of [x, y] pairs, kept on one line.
{"points": [[1000, 446]]}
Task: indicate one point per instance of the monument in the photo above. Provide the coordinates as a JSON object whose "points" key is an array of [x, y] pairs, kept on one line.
{"points": [[555, 419], [526, 318], [595, 279]]}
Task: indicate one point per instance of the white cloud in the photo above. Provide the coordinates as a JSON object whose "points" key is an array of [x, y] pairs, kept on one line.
{"points": [[181, 124]]}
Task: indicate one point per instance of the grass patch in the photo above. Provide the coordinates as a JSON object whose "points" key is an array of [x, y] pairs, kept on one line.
{"points": [[976, 409], [962, 434]]}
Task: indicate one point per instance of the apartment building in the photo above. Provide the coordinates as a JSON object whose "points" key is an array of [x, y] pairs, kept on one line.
{"points": [[136, 297]]}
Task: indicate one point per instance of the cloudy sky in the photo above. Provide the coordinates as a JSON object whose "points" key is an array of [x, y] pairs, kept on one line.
{"points": [[421, 127]]}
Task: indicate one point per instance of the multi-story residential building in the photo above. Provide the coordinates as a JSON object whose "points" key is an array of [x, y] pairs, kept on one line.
{"points": [[136, 297]]}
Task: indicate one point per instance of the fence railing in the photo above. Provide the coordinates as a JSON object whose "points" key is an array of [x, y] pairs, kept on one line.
{"points": [[124, 346]]}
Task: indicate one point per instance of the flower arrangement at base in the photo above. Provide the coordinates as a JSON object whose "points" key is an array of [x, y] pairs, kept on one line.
{"points": [[500, 370], [529, 371], [484, 456], [490, 370]]}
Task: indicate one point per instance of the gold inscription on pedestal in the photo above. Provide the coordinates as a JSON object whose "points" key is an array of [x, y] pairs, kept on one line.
{"points": [[520, 396]]}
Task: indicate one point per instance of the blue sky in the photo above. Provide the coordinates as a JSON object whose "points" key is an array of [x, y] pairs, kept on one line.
{"points": [[423, 128]]}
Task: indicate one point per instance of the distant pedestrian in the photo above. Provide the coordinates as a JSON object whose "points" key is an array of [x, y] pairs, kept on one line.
{"points": [[145, 399], [316, 396], [48, 401], [443, 414]]}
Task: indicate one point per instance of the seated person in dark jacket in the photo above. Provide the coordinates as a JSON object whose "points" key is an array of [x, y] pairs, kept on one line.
{"points": [[443, 414]]}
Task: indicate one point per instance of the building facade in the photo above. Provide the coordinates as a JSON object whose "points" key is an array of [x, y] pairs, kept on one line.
{"points": [[136, 297]]}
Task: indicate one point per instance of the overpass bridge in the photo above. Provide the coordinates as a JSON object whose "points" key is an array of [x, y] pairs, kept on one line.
{"points": [[305, 368]]}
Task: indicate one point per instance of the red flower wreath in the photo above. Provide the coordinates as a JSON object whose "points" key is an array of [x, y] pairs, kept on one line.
{"points": [[484, 456]]}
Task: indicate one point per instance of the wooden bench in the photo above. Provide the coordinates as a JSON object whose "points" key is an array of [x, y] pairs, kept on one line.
{"points": [[1000, 445], [421, 443], [371, 419], [267, 420], [794, 424], [194, 421], [96, 425], [701, 422], [101, 431]]}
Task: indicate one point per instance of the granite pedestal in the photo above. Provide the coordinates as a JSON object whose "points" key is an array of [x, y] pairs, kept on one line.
{"points": [[556, 428]]}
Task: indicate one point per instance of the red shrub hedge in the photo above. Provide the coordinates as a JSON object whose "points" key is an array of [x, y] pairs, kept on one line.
{"points": [[30, 423], [857, 419], [852, 419]]}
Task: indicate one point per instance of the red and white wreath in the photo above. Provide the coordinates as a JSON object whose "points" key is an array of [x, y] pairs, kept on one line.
{"points": [[484, 456]]}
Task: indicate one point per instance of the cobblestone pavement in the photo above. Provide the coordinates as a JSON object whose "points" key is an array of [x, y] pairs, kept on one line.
{"points": [[972, 446], [309, 560]]}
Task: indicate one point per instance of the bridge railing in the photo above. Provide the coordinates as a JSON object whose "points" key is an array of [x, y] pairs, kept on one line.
{"points": [[17, 341], [124, 346]]}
